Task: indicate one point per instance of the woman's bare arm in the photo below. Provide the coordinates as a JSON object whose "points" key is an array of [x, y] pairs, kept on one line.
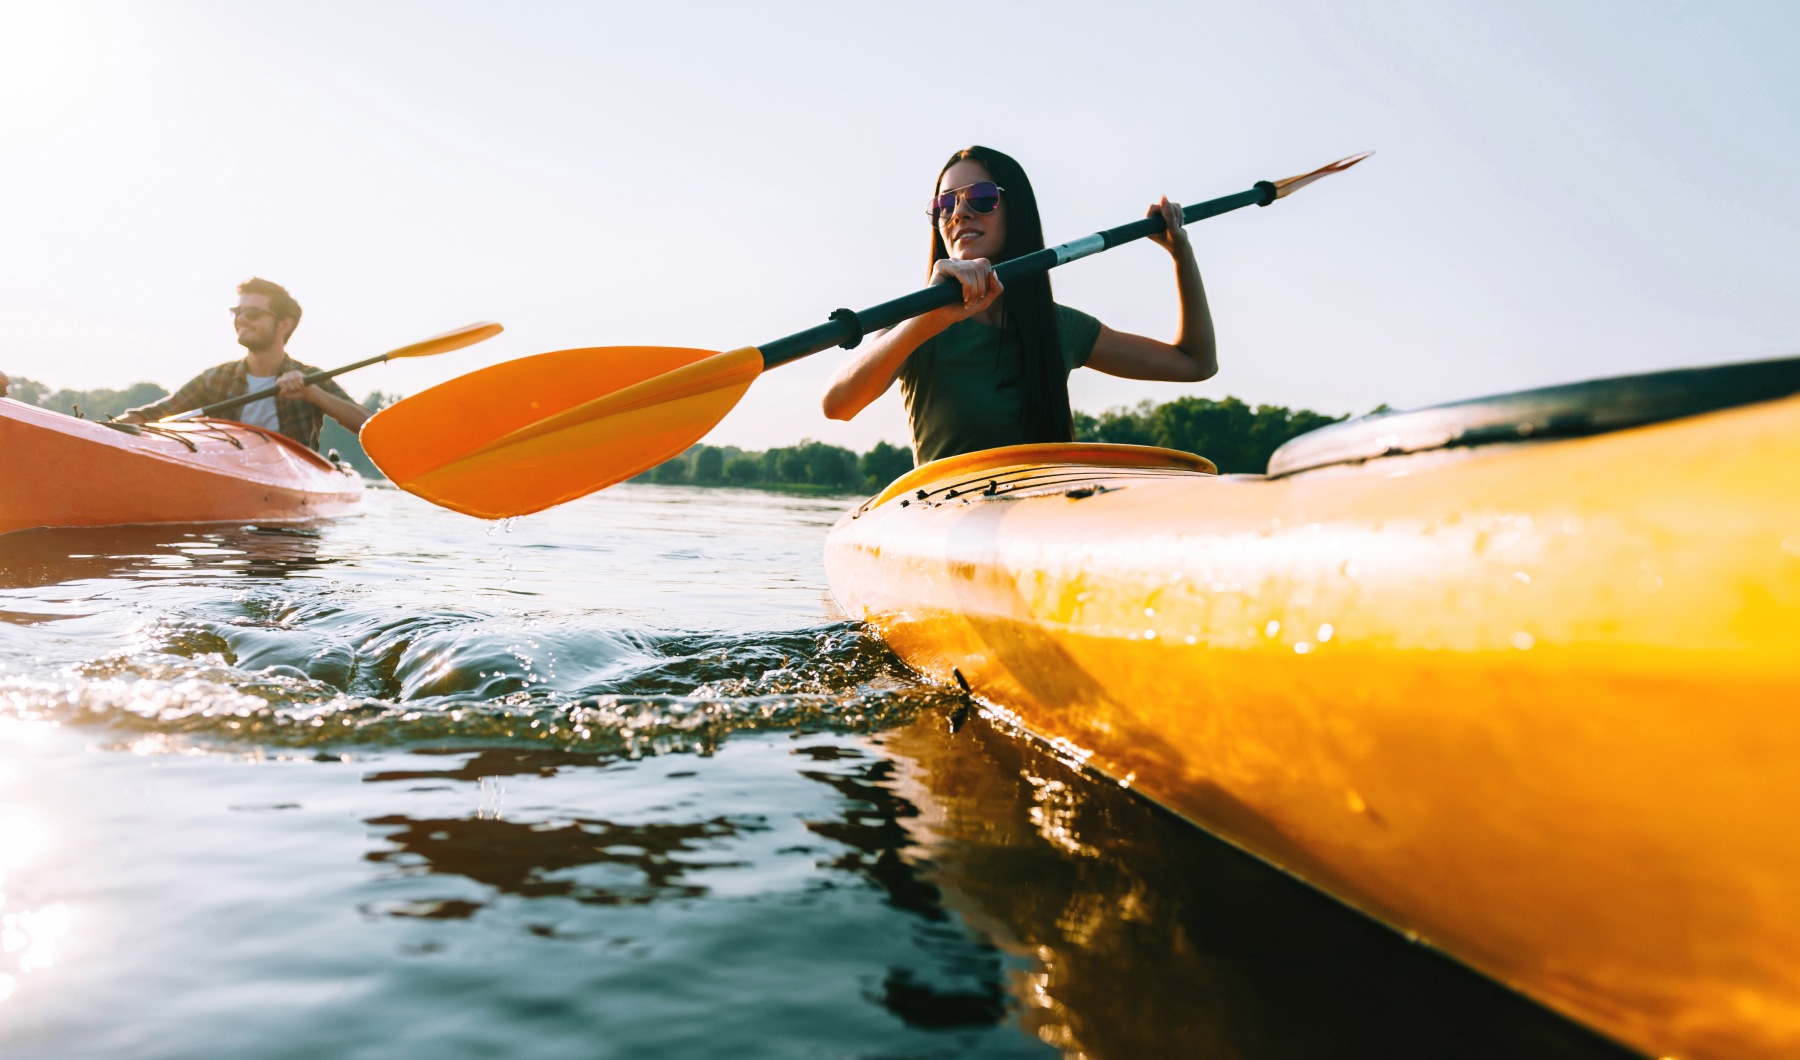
{"points": [[1194, 355], [873, 366]]}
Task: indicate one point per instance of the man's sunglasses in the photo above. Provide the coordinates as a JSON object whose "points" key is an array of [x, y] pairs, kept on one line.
{"points": [[250, 313], [982, 196]]}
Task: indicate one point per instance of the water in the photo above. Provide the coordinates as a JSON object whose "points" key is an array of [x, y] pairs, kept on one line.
{"points": [[611, 781]]}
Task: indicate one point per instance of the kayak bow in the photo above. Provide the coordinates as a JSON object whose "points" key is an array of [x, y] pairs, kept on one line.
{"points": [[65, 471]]}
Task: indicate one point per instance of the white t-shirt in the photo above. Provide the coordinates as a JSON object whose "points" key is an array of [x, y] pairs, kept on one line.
{"points": [[259, 413]]}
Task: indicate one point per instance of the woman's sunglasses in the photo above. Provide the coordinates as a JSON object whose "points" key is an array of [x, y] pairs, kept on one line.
{"points": [[982, 196]]}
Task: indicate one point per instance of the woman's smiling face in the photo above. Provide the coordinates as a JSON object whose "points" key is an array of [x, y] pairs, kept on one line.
{"points": [[969, 235]]}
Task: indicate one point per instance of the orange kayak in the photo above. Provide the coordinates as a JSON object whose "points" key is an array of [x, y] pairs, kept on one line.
{"points": [[63, 471], [1517, 676]]}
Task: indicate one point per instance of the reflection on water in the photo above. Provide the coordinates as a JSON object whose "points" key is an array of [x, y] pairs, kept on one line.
{"points": [[34, 558], [537, 860], [1152, 939], [491, 763], [964, 986]]}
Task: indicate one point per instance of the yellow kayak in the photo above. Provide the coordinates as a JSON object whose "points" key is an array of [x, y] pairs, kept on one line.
{"points": [[1518, 677]]}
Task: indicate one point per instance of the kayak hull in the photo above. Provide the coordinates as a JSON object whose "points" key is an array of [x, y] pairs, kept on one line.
{"points": [[1534, 704], [62, 472]]}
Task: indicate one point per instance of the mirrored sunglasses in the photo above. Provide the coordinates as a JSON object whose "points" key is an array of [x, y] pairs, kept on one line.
{"points": [[982, 196]]}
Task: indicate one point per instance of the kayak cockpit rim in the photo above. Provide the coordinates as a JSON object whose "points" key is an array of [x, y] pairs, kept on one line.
{"points": [[973, 469]]}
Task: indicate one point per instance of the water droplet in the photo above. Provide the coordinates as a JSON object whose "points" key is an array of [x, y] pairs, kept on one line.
{"points": [[1302, 648], [1523, 640], [1325, 632], [1272, 628]]}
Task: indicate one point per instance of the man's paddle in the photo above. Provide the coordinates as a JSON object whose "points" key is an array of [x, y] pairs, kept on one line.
{"points": [[526, 435], [467, 335]]}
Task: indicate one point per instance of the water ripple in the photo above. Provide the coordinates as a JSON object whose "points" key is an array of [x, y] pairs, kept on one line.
{"points": [[435, 679]]}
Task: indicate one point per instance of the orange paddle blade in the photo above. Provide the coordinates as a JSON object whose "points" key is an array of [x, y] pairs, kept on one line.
{"points": [[532, 433], [467, 335], [1288, 185]]}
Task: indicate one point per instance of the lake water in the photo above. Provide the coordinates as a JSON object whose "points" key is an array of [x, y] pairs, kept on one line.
{"points": [[611, 781]]}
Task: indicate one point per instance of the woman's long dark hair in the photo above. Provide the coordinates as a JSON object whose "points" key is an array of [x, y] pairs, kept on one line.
{"points": [[1030, 312]]}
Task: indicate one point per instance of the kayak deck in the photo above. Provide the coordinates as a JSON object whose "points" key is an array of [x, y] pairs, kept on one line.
{"points": [[64, 471], [1531, 703]]}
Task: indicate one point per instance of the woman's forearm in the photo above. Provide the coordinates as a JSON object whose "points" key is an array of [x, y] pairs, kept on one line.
{"points": [[873, 367], [1195, 337]]}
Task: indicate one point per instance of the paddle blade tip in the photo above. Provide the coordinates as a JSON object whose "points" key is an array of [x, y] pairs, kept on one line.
{"points": [[1289, 185], [455, 339]]}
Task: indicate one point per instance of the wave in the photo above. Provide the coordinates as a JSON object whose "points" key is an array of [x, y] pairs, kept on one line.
{"points": [[324, 678]]}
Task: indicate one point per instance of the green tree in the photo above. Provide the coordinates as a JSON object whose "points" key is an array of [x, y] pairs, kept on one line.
{"points": [[883, 464], [30, 391], [1222, 431], [672, 471], [830, 466], [332, 435], [1124, 426], [709, 465], [1228, 432], [94, 404], [790, 465], [745, 470]]}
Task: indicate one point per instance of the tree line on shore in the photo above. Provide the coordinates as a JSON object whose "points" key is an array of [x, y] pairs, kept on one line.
{"points": [[1232, 434], [1235, 436]]}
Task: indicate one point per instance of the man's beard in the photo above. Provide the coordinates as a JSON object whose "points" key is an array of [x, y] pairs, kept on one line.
{"points": [[254, 346]]}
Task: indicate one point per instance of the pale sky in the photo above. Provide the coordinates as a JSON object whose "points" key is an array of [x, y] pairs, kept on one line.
{"points": [[1560, 191]]}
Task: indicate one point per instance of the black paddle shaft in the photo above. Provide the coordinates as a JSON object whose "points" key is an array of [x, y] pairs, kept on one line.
{"points": [[846, 329], [258, 395]]}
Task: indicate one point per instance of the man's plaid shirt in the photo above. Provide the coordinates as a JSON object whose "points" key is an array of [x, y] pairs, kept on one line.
{"points": [[300, 420]]}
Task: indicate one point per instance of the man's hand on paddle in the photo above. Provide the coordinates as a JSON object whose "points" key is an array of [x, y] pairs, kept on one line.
{"points": [[294, 387]]}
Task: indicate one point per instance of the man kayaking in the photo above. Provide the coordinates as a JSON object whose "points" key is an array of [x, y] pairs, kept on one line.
{"points": [[266, 316], [994, 370]]}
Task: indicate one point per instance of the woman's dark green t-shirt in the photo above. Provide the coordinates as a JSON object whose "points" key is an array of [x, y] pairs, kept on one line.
{"points": [[974, 395]]}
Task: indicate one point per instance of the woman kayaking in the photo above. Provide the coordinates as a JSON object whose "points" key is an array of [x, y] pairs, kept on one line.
{"points": [[995, 370]]}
